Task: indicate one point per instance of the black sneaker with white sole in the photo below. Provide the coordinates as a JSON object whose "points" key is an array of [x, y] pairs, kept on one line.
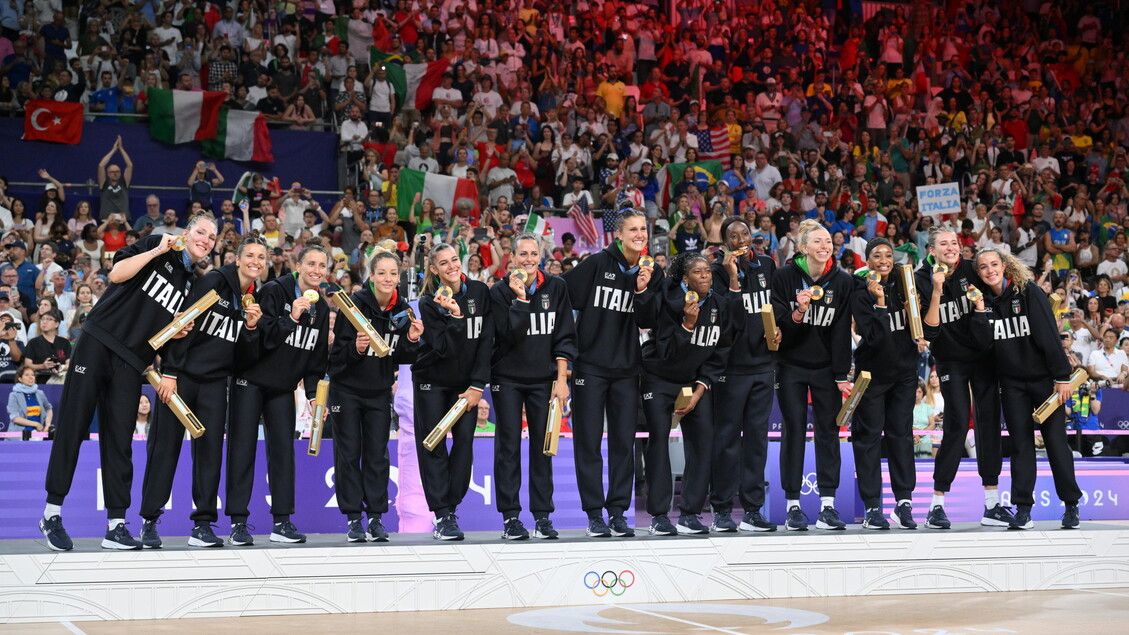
{"points": [[514, 529], [241, 535], [356, 531], [755, 521], [1022, 518], [56, 535], [902, 516], [149, 537], [1070, 517], [376, 530], [544, 529], [119, 538], [723, 521], [797, 520], [829, 519], [620, 528], [874, 520], [691, 524], [998, 516], [286, 532], [204, 536], [597, 528], [937, 518], [661, 526], [447, 528]]}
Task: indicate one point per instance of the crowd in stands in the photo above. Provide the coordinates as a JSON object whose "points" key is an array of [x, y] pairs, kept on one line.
{"points": [[836, 115]]}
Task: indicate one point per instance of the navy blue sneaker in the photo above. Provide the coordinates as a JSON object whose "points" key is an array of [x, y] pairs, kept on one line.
{"points": [[286, 532], [937, 518], [241, 535], [998, 516], [513, 529], [447, 528], [797, 519], [691, 524], [1022, 519], [620, 528], [661, 526], [829, 519], [118, 537], [544, 529], [754, 521], [1070, 517], [150, 539], [356, 531], [874, 519], [723, 521], [376, 531], [204, 536], [597, 528], [902, 516], [56, 535]]}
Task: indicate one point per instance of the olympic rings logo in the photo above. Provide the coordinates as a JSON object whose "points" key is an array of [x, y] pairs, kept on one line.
{"points": [[609, 582]]}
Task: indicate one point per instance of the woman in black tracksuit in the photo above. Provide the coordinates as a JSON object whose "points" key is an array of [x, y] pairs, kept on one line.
{"points": [[746, 387], [604, 288], [148, 285], [453, 363], [360, 397], [535, 340], [815, 356], [294, 336], [965, 365], [198, 368], [1031, 366], [889, 353], [688, 347]]}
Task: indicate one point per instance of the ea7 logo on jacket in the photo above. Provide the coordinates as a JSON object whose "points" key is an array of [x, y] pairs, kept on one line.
{"points": [[609, 275], [80, 370]]}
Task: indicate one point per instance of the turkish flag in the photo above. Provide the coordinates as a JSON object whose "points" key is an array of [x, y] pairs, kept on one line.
{"points": [[57, 121]]}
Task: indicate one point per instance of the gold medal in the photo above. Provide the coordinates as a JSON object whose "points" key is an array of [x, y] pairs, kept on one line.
{"points": [[411, 314], [311, 295], [741, 252], [646, 261], [816, 292], [973, 294], [520, 275], [873, 276], [444, 291], [178, 243], [247, 300], [691, 296], [941, 267]]}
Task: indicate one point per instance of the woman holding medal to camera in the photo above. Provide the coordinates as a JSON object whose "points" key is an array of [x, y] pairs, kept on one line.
{"points": [[148, 283], [1031, 365], [453, 363], [811, 302], [360, 396], [888, 352], [294, 347], [692, 329], [534, 343], [198, 368], [964, 365], [740, 395]]}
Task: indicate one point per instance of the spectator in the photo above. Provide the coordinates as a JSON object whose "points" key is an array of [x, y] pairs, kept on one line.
{"points": [[114, 183], [28, 406], [48, 353]]}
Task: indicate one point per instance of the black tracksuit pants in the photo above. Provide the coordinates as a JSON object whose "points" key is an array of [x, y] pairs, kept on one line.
{"points": [[1020, 398], [886, 408], [360, 451], [741, 409], [957, 378], [276, 407], [208, 401], [509, 397], [594, 396], [697, 436], [98, 380], [445, 475], [795, 382]]}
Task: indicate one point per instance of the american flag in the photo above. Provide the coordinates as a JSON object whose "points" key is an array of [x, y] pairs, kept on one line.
{"points": [[609, 218], [585, 224], [713, 143]]}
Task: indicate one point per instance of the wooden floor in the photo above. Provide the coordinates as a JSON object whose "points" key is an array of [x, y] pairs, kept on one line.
{"points": [[1051, 612]]}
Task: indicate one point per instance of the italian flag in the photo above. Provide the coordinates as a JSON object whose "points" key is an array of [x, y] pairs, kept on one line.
{"points": [[242, 135], [536, 225], [443, 190], [180, 116], [413, 83]]}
